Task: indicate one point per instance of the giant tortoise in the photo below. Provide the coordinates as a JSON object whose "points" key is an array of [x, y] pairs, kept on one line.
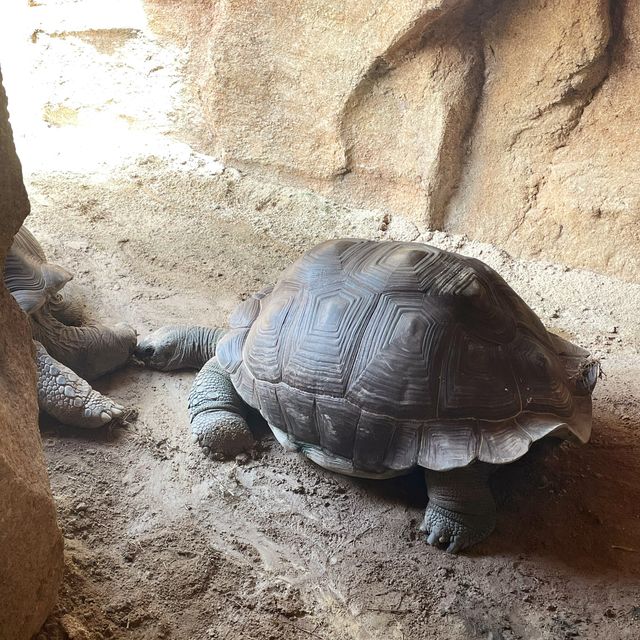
{"points": [[372, 358]]}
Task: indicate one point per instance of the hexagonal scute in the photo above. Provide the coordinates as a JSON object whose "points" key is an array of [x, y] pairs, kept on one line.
{"points": [[326, 338], [397, 366], [476, 380]]}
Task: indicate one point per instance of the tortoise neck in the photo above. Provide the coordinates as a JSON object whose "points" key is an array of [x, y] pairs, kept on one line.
{"points": [[198, 346]]}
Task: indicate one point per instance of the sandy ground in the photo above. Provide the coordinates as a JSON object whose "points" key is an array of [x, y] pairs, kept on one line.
{"points": [[164, 543]]}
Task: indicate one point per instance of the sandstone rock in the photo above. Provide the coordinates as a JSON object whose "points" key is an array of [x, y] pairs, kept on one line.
{"points": [[284, 73], [510, 121], [390, 162], [544, 61], [30, 541], [345, 96], [590, 196]]}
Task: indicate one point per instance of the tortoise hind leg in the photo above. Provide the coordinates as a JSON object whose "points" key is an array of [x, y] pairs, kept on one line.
{"points": [[461, 510], [70, 399]]}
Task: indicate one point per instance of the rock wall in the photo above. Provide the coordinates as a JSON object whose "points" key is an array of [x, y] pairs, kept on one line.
{"points": [[30, 541], [556, 141], [512, 121]]}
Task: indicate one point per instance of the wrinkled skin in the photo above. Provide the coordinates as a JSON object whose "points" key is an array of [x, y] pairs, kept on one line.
{"points": [[178, 347], [216, 412]]}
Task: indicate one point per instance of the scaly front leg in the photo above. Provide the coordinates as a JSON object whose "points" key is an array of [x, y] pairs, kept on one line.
{"points": [[461, 510], [68, 398], [90, 350], [217, 413]]}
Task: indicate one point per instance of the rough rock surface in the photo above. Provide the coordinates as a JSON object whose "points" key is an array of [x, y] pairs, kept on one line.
{"points": [[513, 122], [30, 541], [530, 157]]}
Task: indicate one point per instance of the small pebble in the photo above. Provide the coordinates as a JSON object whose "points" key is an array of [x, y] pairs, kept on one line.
{"points": [[242, 458]]}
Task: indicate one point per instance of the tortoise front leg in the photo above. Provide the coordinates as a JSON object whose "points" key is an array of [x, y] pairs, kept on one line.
{"points": [[461, 510], [91, 350], [217, 413], [68, 398], [66, 307]]}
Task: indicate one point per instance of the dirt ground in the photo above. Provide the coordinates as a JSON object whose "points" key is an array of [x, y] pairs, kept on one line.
{"points": [[164, 543]]}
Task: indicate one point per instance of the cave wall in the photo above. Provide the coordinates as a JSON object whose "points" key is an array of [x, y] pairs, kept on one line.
{"points": [[555, 146], [513, 121], [30, 541]]}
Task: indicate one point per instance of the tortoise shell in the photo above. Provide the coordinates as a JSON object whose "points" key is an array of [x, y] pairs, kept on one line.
{"points": [[28, 276], [388, 355]]}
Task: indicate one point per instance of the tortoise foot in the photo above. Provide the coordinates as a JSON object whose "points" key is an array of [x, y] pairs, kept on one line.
{"points": [[100, 410], [67, 397], [455, 531], [217, 414], [221, 434]]}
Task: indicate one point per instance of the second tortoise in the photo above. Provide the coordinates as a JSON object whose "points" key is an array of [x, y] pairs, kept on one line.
{"points": [[70, 349], [372, 358]]}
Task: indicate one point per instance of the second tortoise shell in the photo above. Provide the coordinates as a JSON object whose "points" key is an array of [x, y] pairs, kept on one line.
{"points": [[30, 279], [388, 355]]}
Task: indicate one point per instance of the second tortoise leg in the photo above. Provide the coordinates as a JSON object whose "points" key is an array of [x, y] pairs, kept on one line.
{"points": [[91, 350], [461, 509], [217, 413]]}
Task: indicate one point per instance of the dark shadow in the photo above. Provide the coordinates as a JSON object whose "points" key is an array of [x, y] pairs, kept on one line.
{"points": [[577, 506], [259, 427], [409, 491]]}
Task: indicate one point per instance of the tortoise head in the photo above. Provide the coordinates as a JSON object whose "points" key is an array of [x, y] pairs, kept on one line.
{"points": [[163, 349], [583, 370]]}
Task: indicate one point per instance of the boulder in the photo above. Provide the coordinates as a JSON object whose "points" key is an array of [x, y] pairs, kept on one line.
{"points": [[366, 101], [30, 541], [555, 144], [509, 121]]}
